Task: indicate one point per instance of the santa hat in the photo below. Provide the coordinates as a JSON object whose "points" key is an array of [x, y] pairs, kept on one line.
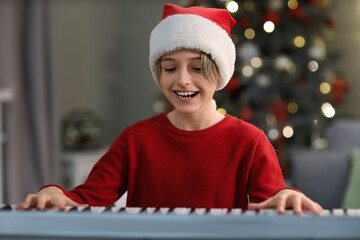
{"points": [[198, 28]]}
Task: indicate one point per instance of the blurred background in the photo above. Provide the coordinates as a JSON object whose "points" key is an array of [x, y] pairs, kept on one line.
{"points": [[74, 74]]}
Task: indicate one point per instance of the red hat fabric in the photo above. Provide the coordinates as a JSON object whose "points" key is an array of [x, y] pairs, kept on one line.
{"points": [[219, 16], [199, 28]]}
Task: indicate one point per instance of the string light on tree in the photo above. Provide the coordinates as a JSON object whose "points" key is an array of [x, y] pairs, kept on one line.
{"points": [[288, 132], [232, 6], [256, 62], [328, 110], [249, 33], [273, 134], [299, 41], [247, 71], [249, 6], [292, 107], [269, 26], [293, 4], [313, 66], [325, 88]]}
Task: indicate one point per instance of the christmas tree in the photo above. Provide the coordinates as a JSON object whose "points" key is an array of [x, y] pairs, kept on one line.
{"points": [[283, 82]]}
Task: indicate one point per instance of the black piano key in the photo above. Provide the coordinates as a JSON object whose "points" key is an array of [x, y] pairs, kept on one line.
{"points": [[121, 210], [108, 208], [6, 208], [73, 209], [86, 209]]}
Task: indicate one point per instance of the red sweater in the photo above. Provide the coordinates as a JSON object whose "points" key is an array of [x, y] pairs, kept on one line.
{"points": [[162, 166]]}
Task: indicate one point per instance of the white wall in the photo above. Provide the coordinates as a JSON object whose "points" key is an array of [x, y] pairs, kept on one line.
{"points": [[101, 58]]}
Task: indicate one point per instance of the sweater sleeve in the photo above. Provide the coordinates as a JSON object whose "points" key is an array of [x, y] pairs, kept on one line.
{"points": [[107, 180], [265, 176]]}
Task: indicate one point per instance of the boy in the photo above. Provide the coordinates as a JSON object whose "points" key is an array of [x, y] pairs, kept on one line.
{"points": [[192, 156]]}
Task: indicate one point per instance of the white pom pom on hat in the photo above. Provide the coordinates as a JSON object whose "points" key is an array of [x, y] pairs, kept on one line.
{"points": [[203, 29]]}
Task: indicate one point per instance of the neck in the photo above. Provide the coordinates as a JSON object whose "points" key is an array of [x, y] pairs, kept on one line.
{"points": [[195, 121]]}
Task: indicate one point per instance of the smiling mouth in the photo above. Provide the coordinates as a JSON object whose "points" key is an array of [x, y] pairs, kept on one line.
{"points": [[186, 95]]}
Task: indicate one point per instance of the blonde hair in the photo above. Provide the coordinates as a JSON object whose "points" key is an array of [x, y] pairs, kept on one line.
{"points": [[208, 69]]}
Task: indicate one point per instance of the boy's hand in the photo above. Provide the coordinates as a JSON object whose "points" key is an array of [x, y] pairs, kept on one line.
{"points": [[288, 198], [49, 197]]}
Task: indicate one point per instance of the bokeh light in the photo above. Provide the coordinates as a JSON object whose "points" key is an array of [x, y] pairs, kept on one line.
{"points": [[232, 6], [288, 131], [292, 107], [249, 33], [256, 62], [328, 110], [299, 41], [325, 88], [247, 71], [293, 4], [313, 66], [269, 26]]}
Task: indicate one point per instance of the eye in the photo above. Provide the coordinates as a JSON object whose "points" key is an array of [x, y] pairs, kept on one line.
{"points": [[198, 69], [170, 69]]}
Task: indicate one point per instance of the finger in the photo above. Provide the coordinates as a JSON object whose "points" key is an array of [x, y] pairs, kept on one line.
{"points": [[320, 209], [42, 201], [281, 203], [257, 206], [59, 202], [29, 202], [297, 204], [71, 203], [312, 206]]}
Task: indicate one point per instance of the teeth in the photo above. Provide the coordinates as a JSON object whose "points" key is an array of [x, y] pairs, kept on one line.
{"points": [[186, 94]]}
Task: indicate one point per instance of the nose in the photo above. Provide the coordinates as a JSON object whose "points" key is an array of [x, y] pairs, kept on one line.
{"points": [[184, 77]]}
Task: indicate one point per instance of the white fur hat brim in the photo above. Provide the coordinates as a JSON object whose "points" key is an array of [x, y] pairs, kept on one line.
{"points": [[188, 31]]}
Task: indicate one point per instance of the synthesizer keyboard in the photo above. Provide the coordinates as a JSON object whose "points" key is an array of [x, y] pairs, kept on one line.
{"points": [[179, 223]]}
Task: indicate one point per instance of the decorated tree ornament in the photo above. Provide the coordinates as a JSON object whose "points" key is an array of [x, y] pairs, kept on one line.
{"points": [[233, 85], [279, 108], [297, 13], [273, 17], [330, 22], [340, 84], [309, 22], [246, 114], [244, 22]]}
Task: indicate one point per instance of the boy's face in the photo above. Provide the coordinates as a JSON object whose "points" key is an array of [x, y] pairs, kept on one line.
{"points": [[183, 82]]}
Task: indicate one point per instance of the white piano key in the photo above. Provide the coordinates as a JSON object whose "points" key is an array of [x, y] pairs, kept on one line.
{"points": [[133, 210], [81, 208], [97, 209], [218, 211], [236, 211], [338, 212], [289, 212], [270, 212], [357, 211], [200, 211], [150, 210], [164, 210], [325, 213], [250, 213], [350, 212], [182, 211]]}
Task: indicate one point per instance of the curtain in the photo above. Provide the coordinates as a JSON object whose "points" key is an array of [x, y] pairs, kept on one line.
{"points": [[30, 150]]}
